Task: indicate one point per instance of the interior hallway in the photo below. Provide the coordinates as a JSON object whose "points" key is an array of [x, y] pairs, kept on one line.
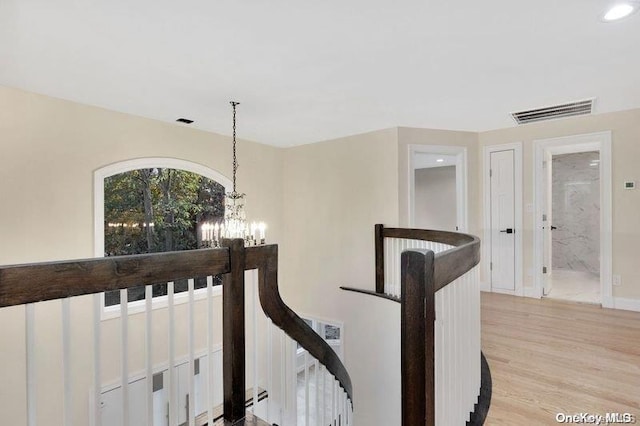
{"points": [[548, 357]]}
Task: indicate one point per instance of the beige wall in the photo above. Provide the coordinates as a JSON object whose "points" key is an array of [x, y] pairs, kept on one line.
{"points": [[625, 128], [49, 149], [334, 193]]}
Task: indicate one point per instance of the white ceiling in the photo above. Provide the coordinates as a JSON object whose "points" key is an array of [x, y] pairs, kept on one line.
{"points": [[306, 71]]}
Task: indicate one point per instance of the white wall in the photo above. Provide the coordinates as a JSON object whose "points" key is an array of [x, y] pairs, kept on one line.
{"points": [[435, 198]]}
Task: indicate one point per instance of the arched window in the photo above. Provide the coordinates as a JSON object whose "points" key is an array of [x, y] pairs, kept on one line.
{"points": [[153, 205]]}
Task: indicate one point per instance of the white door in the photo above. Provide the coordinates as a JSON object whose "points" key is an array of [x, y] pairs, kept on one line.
{"points": [[547, 222], [502, 192]]}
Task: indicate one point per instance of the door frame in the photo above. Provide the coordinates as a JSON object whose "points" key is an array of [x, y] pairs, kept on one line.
{"points": [[461, 180], [601, 142], [518, 186]]}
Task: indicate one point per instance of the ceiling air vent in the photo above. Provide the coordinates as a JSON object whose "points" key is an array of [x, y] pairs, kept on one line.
{"points": [[552, 112]]}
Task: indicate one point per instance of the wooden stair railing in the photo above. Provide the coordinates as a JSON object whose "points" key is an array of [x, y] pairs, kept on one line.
{"points": [[27, 284], [423, 273], [285, 318]]}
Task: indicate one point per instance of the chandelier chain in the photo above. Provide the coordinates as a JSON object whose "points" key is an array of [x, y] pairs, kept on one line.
{"points": [[235, 159]]}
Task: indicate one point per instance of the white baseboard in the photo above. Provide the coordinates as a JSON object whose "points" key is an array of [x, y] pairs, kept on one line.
{"points": [[531, 292], [626, 304], [484, 286], [502, 291]]}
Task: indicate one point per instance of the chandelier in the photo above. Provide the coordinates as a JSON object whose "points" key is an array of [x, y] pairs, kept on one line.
{"points": [[235, 219]]}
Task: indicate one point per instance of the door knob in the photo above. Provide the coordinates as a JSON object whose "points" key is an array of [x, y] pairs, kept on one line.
{"points": [[508, 231], [553, 227]]}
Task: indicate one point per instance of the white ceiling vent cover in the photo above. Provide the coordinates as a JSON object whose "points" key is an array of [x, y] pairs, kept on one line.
{"points": [[556, 111]]}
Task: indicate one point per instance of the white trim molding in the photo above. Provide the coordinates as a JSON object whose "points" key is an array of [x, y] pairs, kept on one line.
{"points": [[626, 304], [518, 201], [99, 176], [600, 142], [461, 180]]}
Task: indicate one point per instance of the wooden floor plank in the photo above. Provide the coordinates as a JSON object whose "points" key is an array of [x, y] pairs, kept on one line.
{"points": [[548, 357]]}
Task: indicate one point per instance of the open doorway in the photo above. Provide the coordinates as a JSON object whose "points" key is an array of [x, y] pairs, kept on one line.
{"points": [[573, 218], [574, 227], [437, 187], [435, 192]]}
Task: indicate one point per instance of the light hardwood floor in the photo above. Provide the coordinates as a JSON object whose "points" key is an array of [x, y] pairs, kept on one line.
{"points": [[548, 357]]}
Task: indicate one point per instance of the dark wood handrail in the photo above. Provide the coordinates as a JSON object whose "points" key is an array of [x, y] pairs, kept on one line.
{"points": [[448, 265], [423, 273], [444, 237], [285, 318], [30, 283]]}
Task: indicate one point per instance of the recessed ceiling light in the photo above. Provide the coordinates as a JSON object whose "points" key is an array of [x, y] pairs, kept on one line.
{"points": [[619, 11], [440, 160]]}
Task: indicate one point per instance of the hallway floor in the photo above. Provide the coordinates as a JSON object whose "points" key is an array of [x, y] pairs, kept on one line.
{"points": [[576, 286], [549, 357]]}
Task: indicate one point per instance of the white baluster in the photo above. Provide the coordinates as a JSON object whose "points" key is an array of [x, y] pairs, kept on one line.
{"points": [[449, 336], [392, 266], [306, 388], [66, 362], [293, 393], [254, 319], [283, 376], [323, 405], [148, 340], [269, 369], [97, 361], [398, 270], [210, 382], [455, 327], [316, 365], [31, 363], [387, 266], [191, 413], [333, 401], [173, 381], [124, 355], [340, 407], [441, 352], [397, 266]]}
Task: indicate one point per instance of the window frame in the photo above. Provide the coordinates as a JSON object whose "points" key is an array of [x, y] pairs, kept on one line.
{"points": [[99, 177]]}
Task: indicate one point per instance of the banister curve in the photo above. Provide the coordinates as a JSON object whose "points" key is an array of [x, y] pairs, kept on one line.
{"points": [[445, 237], [448, 266], [265, 259]]}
